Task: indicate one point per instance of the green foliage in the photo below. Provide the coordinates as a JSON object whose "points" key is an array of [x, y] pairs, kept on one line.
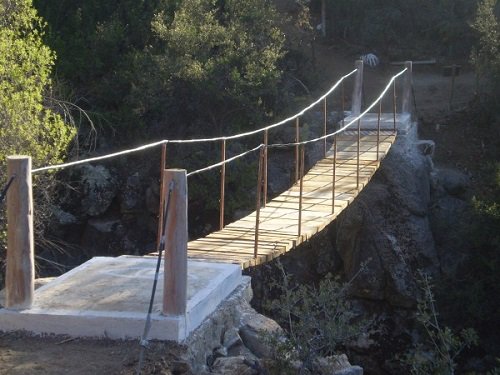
{"points": [[319, 320], [438, 356], [174, 67], [485, 56], [26, 125], [401, 28]]}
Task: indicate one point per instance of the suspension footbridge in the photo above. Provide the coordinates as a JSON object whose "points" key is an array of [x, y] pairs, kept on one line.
{"points": [[196, 275]]}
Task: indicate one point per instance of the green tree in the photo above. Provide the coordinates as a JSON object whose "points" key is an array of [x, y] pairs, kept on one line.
{"points": [[26, 125], [485, 55]]}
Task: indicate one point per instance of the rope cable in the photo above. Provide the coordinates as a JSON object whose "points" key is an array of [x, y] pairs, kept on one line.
{"points": [[196, 140], [282, 145], [147, 326], [225, 161]]}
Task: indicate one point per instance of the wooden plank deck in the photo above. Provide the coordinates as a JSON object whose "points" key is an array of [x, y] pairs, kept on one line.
{"points": [[278, 228]]}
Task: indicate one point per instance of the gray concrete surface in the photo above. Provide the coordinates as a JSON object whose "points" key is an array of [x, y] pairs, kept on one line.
{"points": [[109, 297]]}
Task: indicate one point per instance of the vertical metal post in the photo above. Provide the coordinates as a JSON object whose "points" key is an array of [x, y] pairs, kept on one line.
{"points": [[222, 184], [407, 83], [301, 188], [394, 109], [358, 88], [20, 272], [258, 204], [176, 235], [343, 105], [357, 163], [163, 163], [334, 171], [378, 127], [297, 140], [324, 127], [266, 142]]}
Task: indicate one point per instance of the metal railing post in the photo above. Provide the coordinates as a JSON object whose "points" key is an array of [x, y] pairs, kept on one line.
{"points": [[394, 104], [301, 188], [297, 140], [324, 127], [378, 127], [334, 171], [258, 204], [222, 184], [357, 163], [266, 142]]}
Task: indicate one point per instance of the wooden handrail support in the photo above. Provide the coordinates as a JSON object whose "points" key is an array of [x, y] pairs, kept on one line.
{"points": [[357, 92], [20, 273], [222, 184], [176, 230], [407, 85]]}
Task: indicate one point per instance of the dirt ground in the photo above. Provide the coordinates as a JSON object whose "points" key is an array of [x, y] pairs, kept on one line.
{"points": [[24, 354]]}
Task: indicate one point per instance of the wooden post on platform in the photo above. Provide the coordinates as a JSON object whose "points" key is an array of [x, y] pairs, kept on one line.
{"points": [[357, 92], [407, 85], [20, 273], [176, 232]]}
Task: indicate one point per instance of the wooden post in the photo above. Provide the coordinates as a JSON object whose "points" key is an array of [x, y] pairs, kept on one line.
{"points": [[222, 184], [175, 280], [257, 205], [20, 273], [407, 83], [358, 89]]}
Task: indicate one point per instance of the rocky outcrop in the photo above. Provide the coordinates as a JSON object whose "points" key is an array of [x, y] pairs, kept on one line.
{"points": [[231, 342]]}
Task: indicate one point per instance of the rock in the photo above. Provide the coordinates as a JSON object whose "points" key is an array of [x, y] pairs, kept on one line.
{"points": [[454, 182], [99, 189], [426, 147], [336, 365], [252, 333], [450, 218], [103, 235], [353, 370], [232, 366], [63, 217], [132, 196]]}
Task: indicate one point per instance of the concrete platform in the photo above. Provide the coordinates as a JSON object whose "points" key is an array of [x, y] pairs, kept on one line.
{"points": [[109, 297], [370, 122]]}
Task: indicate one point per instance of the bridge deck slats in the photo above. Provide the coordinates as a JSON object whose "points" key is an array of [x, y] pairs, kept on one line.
{"points": [[278, 228]]}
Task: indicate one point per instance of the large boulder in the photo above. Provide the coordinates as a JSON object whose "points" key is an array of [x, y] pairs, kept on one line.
{"points": [[98, 188]]}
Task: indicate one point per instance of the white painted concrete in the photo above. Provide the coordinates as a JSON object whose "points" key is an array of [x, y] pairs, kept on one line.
{"points": [[370, 122], [109, 297]]}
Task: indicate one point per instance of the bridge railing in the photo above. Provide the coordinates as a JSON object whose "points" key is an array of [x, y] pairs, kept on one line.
{"points": [[172, 228]]}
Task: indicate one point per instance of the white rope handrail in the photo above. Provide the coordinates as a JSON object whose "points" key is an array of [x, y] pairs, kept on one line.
{"points": [[197, 140], [278, 145], [284, 145], [225, 161]]}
